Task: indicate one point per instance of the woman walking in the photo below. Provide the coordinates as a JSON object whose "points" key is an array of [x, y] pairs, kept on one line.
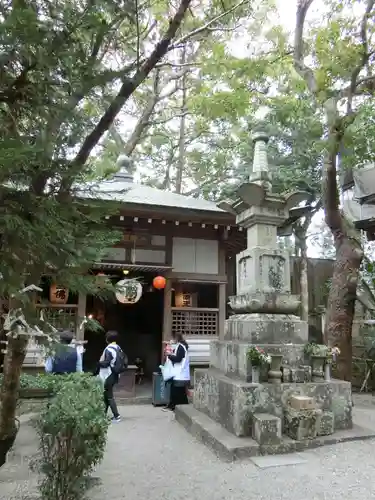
{"points": [[181, 370]]}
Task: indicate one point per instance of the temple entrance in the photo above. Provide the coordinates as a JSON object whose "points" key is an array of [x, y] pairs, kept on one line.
{"points": [[140, 326]]}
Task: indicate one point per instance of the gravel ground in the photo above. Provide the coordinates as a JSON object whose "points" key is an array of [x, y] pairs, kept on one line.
{"points": [[150, 456]]}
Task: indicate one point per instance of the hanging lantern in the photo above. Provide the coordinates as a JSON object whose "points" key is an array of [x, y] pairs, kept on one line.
{"points": [[58, 294], [129, 291], [159, 282]]}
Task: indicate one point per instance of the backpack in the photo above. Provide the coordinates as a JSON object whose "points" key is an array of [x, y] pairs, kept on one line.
{"points": [[121, 362]]}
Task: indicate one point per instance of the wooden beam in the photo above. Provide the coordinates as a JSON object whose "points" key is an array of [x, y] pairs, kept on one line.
{"points": [[167, 313], [175, 213], [222, 288], [222, 301], [198, 278], [169, 249], [81, 313]]}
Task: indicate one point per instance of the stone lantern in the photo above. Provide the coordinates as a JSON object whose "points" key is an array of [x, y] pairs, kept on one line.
{"points": [[234, 412]]}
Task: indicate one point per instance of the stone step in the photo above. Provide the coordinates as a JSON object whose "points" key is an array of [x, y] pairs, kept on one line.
{"points": [[231, 448], [266, 428], [214, 436]]}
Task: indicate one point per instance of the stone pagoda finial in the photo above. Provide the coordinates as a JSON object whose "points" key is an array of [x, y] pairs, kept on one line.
{"points": [[260, 172], [124, 173]]}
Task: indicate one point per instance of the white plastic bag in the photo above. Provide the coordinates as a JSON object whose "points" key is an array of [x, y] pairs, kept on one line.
{"points": [[167, 370]]}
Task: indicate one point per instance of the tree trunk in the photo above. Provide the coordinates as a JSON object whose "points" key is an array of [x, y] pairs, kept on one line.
{"points": [[13, 361], [341, 302], [349, 254]]}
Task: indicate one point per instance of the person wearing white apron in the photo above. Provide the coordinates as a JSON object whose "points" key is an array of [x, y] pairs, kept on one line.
{"points": [[181, 378]]}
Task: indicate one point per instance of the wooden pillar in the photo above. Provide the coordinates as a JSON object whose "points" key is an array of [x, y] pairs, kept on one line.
{"points": [[222, 309], [81, 313], [222, 292], [167, 314]]}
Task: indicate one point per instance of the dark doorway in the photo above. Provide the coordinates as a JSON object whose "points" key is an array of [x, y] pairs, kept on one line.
{"points": [[139, 325]]}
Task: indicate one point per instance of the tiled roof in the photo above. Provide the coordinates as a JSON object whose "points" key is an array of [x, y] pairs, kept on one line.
{"points": [[128, 192]]}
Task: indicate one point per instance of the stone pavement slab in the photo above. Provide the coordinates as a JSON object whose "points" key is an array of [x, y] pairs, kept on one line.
{"points": [[279, 460]]}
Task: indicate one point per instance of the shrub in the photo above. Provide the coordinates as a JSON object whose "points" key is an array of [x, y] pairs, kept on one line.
{"points": [[39, 381], [72, 433]]}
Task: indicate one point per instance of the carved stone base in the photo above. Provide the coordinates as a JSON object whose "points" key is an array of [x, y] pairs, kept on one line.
{"points": [[266, 329], [232, 402], [267, 303]]}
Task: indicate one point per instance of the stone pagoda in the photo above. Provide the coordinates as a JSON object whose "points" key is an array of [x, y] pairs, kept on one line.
{"points": [[284, 410]]}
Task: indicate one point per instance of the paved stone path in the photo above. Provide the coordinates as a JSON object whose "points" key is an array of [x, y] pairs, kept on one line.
{"points": [[150, 456]]}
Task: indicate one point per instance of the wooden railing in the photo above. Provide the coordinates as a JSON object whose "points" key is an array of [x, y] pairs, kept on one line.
{"points": [[195, 321]]}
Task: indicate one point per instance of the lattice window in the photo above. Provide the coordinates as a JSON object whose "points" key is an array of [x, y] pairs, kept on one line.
{"points": [[195, 322], [64, 318]]}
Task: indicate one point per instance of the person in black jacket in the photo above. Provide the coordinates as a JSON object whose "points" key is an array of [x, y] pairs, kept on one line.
{"points": [[181, 380], [66, 359], [107, 375]]}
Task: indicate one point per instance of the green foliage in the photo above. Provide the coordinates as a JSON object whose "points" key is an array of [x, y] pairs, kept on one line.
{"points": [[40, 381], [312, 349], [72, 432]]}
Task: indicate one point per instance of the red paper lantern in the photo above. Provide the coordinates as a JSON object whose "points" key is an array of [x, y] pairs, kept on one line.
{"points": [[58, 294], [159, 282]]}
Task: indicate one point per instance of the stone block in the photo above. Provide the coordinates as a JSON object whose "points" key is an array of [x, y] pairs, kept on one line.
{"points": [[266, 428], [286, 374], [308, 372], [230, 357], [297, 375], [301, 425], [302, 402], [266, 329], [327, 424]]}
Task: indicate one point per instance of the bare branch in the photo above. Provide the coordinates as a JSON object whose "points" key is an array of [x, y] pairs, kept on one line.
{"points": [[129, 86], [206, 27], [138, 33], [166, 120], [177, 65], [144, 121], [364, 56], [302, 69]]}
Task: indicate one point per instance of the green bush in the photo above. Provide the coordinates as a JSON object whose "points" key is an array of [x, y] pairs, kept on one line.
{"points": [[72, 433], [39, 381]]}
